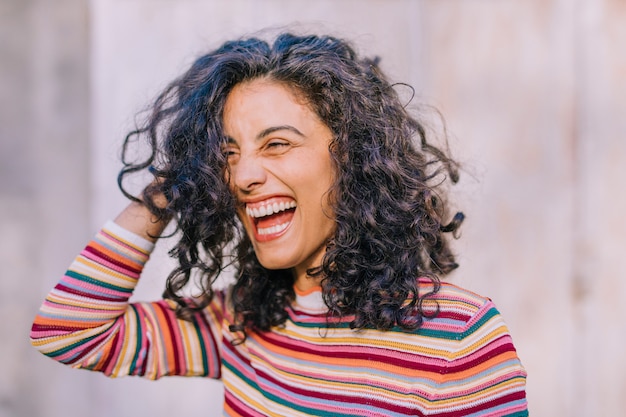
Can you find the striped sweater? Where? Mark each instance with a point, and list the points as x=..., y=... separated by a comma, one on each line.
x=461, y=363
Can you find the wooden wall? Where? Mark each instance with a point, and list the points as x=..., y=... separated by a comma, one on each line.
x=533, y=93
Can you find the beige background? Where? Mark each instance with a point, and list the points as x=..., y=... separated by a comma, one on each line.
x=534, y=96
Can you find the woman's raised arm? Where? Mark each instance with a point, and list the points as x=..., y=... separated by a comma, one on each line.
x=86, y=320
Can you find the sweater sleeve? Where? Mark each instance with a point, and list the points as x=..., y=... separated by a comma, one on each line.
x=485, y=369
x=87, y=322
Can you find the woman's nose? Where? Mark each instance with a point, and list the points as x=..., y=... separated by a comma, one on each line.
x=249, y=173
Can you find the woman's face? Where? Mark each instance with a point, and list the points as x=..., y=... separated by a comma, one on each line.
x=280, y=171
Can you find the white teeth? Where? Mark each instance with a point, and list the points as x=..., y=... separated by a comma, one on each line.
x=273, y=229
x=269, y=209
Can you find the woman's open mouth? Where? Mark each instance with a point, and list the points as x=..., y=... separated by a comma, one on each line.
x=271, y=217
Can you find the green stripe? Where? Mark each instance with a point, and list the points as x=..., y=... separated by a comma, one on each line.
x=519, y=414
x=72, y=346
x=438, y=334
x=324, y=325
x=234, y=370
x=133, y=364
x=205, y=361
x=97, y=283
x=278, y=400
x=442, y=334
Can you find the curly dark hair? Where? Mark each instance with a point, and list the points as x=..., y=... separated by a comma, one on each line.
x=387, y=198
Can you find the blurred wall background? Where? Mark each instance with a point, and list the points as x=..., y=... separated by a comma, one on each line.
x=534, y=96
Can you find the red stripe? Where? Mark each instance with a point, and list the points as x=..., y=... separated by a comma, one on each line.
x=378, y=354
x=484, y=406
x=167, y=312
x=142, y=370
x=213, y=361
x=335, y=396
x=62, y=287
x=44, y=327
x=396, y=408
x=454, y=315
x=227, y=345
x=109, y=236
x=87, y=349
x=484, y=354
x=390, y=357
x=110, y=357
x=233, y=403
x=123, y=266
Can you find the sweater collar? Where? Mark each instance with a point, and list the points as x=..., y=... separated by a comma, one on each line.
x=310, y=300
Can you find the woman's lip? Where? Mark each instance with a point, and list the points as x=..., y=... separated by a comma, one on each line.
x=272, y=226
x=259, y=202
x=271, y=233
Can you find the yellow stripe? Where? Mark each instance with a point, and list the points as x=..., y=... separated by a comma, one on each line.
x=85, y=266
x=254, y=403
x=125, y=345
x=107, y=235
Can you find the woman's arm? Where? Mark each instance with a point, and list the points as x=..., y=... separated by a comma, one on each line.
x=485, y=369
x=87, y=322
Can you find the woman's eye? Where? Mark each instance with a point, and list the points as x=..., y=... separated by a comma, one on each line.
x=229, y=152
x=277, y=145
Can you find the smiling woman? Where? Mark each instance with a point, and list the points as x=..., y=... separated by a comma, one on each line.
x=278, y=154
x=299, y=156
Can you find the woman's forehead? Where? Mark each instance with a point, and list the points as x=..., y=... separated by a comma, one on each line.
x=261, y=105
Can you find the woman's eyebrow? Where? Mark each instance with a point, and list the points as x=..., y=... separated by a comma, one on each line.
x=265, y=132
x=273, y=129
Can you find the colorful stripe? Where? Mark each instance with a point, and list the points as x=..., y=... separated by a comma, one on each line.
x=461, y=363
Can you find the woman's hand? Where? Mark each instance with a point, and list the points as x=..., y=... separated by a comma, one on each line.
x=138, y=219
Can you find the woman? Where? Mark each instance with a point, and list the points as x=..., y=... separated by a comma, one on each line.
x=297, y=164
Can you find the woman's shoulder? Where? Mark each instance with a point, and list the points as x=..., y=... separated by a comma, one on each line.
x=453, y=293
x=455, y=308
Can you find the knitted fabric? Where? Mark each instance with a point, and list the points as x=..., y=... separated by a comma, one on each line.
x=460, y=363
